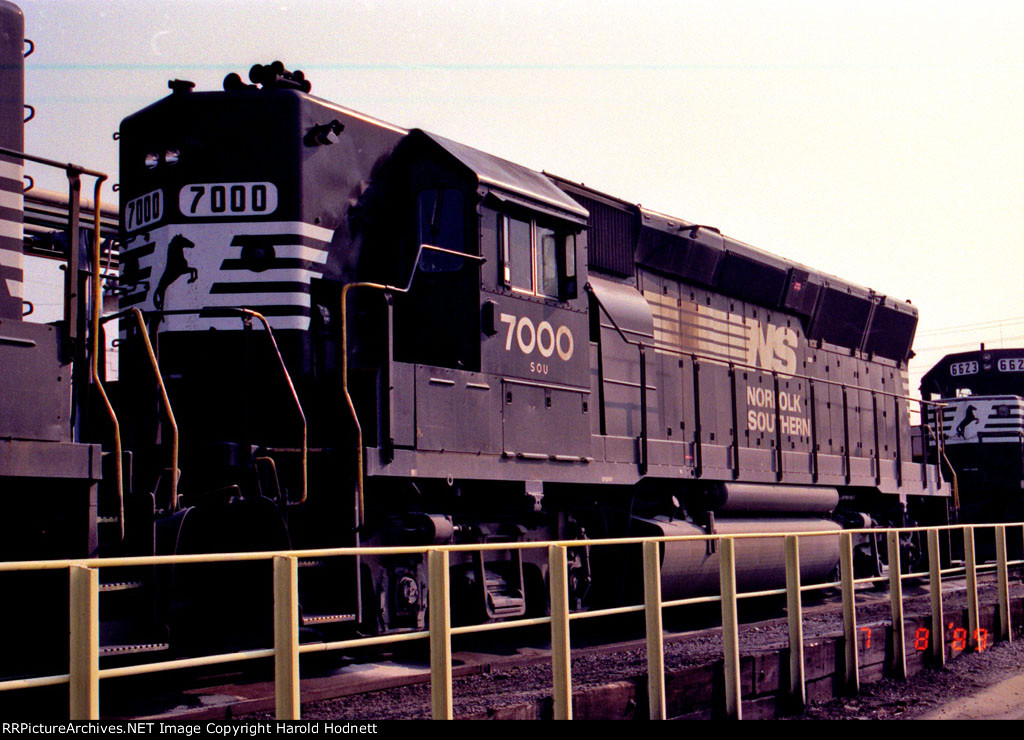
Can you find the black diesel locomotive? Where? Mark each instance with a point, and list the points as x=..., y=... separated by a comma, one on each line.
x=979, y=432
x=368, y=335
x=481, y=353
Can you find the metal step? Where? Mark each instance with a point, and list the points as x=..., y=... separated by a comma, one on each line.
x=503, y=599
x=313, y=619
x=149, y=647
x=122, y=586
x=506, y=606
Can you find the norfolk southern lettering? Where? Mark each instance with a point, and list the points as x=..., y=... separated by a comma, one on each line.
x=761, y=412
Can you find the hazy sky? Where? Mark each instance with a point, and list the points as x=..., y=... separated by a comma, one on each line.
x=878, y=141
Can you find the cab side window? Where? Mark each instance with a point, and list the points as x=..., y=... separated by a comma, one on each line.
x=441, y=224
x=517, y=247
x=536, y=259
x=547, y=262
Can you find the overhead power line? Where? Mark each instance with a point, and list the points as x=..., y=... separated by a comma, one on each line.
x=963, y=345
x=970, y=327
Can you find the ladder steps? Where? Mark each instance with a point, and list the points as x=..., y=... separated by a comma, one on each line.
x=121, y=586
x=147, y=647
x=310, y=619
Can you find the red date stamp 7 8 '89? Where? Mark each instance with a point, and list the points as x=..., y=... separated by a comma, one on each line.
x=958, y=638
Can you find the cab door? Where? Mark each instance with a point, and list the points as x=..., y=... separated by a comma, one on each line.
x=535, y=334
x=437, y=322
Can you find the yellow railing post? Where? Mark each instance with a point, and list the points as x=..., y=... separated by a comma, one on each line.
x=655, y=642
x=937, y=643
x=852, y=672
x=971, y=562
x=84, y=643
x=286, y=638
x=561, y=667
x=899, y=646
x=794, y=614
x=440, y=635
x=1003, y=577
x=730, y=628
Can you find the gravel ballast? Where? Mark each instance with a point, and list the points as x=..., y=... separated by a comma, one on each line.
x=519, y=691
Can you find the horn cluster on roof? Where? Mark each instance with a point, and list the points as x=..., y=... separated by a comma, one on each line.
x=271, y=76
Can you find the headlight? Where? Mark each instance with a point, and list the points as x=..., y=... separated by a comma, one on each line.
x=152, y=160
x=171, y=156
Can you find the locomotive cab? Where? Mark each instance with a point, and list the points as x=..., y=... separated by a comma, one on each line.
x=491, y=345
x=979, y=430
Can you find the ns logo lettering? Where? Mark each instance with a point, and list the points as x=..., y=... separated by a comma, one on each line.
x=771, y=347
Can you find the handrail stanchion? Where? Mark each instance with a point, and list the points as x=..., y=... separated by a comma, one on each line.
x=938, y=645
x=730, y=629
x=794, y=614
x=849, y=612
x=440, y=636
x=561, y=667
x=286, y=638
x=655, y=642
x=971, y=561
x=159, y=378
x=1002, y=574
x=84, y=673
x=899, y=641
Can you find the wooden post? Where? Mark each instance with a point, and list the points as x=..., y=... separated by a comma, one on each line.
x=655, y=642
x=852, y=672
x=561, y=666
x=84, y=643
x=286, y=638
x=899, y=647
x=794, y=614
x=440, y=635
x=937, y=643
x=1003, y=578
x=730, y=628
x=971, y=561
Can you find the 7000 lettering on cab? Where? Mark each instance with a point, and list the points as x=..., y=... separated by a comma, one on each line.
x=225, y=199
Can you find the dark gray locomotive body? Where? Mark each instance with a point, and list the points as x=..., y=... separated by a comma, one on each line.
x=370, y=335
x=516, y=357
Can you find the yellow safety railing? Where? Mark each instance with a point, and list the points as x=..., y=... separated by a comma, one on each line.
x=85, y=673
